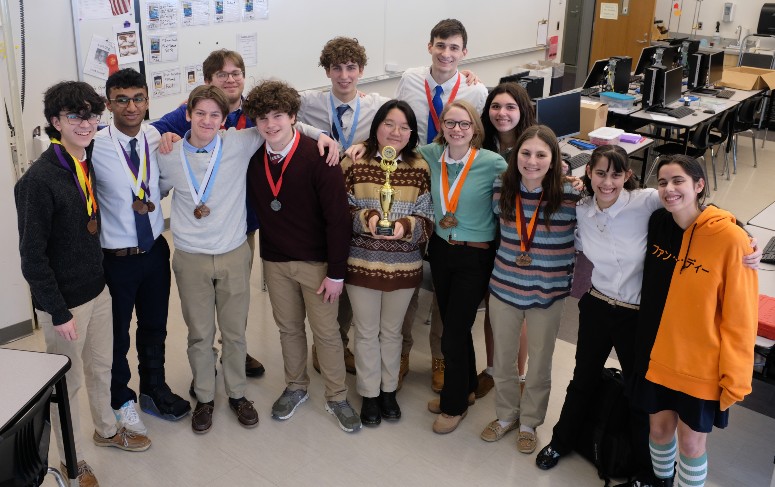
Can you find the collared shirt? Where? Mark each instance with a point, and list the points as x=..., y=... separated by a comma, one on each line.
x=449, y=159
x=114, y=190
x=411, y=89
x=316, y=111
x=614, y=240
x=190, y=148
x=285, y=150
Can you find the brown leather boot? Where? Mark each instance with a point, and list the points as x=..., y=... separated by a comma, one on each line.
x=437, y=381
x=403, y=370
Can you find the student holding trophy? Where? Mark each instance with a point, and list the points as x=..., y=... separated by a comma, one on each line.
x=390, y=202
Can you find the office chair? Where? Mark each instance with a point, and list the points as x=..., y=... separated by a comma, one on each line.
x=698, y=145
x=718, y=136
x=24, y=448
x=745, y=122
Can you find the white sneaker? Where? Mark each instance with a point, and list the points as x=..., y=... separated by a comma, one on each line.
x=128, y=418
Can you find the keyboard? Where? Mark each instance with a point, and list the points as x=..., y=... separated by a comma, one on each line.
x=705, y=91
x=768, y=255
x=725, y=94
x=590, y=92
x=678, y=112
x=636, y=78
x=580, y=159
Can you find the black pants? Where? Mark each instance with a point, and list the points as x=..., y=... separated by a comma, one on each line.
x=601, y=326
x=141, y=283
x=460, y=277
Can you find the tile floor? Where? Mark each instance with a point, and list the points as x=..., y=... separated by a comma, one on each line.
x=309, y=449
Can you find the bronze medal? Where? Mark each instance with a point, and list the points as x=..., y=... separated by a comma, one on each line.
x=197, y=213
x=140, y=207
x=449, y=221
x=524, y=260
x=204, y=211
x=150, y=205
x=92, y=226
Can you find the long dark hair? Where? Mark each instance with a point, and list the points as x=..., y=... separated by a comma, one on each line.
x=692, y=168
x=617, y=160
x=407, y=153
x=527, y=115
x=552, y=183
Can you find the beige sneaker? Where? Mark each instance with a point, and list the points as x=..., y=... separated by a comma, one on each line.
x=447, y=424
x=85, y=476
x=526, y=443
x=437, y=380
x=434, y=405
x=124, y=440
x=494, y=431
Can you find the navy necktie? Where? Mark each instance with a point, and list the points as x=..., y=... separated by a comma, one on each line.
x=438, y=106
x=340, y=110
x=142, y=222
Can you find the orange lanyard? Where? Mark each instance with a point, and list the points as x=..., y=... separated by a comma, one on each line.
x=450, y=203
x=452, y=96
x=526, y=235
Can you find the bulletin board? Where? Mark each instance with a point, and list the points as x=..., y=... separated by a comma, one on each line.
x=284, y=37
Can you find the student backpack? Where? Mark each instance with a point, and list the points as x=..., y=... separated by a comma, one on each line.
x=605, y=438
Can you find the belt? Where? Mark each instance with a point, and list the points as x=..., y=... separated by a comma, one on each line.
x=476, y=245
x=613, y=302
x=124, y=252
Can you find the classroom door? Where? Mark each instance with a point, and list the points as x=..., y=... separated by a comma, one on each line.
x=626, y=35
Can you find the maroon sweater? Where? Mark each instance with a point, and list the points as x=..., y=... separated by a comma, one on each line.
x=314, y=221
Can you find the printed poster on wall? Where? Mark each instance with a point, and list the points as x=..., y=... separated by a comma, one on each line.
x=195, y=12
x=96, y=61
x=165, y=83
x=162, y=15
x=127, y=40
x=227, y=11
x=164, y=48
x=194, y=76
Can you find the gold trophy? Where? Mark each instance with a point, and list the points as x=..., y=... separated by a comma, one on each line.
x=386, y=192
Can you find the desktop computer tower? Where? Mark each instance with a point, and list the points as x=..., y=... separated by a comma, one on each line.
x=620, y=67
x=653, y=87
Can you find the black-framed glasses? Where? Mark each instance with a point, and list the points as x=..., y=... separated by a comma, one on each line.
x=77, y=119
x=123, y=101
x=464, y=124
x=223, y=75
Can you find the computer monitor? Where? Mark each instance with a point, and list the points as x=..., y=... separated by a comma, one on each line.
x=561, y=113
x=673, y=79
x=597, y=75
x=646, y=59
x=676, y=41
x=653, y=87
x=698, y=70
x=666, y=56
x=715, y=66
x=513, y=77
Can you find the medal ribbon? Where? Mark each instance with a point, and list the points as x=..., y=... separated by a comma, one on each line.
x=200, y=193
x=346, y=142
x=526, y=234
x=81, y=178
x=449, y=203
x=276, y=187
x=140, y=185
x=452, y=96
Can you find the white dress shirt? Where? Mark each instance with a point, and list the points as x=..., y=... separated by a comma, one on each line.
x=316, y=111
x=411, y=89
x=614, y=240
x=114, y=190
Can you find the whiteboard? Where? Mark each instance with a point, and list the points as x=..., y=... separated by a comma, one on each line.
x=290, y=39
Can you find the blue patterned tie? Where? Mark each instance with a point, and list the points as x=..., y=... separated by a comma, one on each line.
x=142, y=222
x=340, y=110
x=438, y=106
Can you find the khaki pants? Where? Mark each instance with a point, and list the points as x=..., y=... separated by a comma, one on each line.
x=91, y=357
x=378, y=317
x=542, y=327
x=293, y=292
x=211, y=285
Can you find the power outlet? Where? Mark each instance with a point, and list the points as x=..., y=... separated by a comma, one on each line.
x=699, y=25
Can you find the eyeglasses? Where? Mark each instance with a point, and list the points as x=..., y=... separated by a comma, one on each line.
x=464, y=124
x=76, y=119
x=223, y=75
x=123, y=101
x=401, y=128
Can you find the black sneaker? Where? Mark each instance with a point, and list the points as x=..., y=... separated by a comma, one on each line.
x=547, y=458
x=165, y=404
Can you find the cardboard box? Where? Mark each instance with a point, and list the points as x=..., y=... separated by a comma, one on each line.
x=747, y=78
x=593, y=116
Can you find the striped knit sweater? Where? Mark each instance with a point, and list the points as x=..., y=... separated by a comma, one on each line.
x=548, y=277
x=388, y=265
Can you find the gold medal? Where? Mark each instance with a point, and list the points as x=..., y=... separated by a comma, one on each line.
x=524, y=260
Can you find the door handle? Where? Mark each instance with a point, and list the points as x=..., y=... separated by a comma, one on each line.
x=644, y=41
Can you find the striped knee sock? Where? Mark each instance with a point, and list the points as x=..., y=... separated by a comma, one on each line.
x=692, y=471
x=663, y=458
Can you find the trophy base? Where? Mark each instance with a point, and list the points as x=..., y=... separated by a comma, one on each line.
x=385, y=231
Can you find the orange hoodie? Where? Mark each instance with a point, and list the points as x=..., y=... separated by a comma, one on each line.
x=704, y=345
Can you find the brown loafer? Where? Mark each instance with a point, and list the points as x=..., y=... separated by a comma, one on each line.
x=434, y=405
x=202, y=418
x=246, y=413
x=447, y=424
x=526, y=443
x=486, y=383
x=253, y=368
x=85, y=475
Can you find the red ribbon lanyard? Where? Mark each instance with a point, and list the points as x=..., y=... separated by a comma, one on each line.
x=526, y=234
x=452, y=96
x=276, y=187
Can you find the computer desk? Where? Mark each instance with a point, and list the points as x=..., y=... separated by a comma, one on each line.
x=24, y=377
x=765, y=219
x=631, y=149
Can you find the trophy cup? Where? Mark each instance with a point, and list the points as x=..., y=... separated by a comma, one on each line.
x=386, y=192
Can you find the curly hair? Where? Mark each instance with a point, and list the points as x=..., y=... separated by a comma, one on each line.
x=342, y=50
x=271, y=95
x=476, y=123
x=618, y=161
x=527, y=116
x=552, y=183
x=70, y=96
